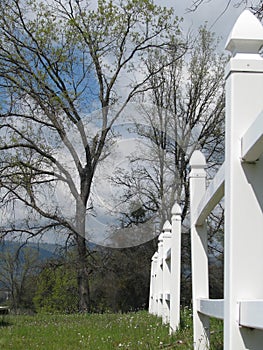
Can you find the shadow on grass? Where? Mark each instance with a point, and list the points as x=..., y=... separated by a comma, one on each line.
x=5, y=323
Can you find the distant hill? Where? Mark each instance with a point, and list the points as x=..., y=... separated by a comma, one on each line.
x=45, y=250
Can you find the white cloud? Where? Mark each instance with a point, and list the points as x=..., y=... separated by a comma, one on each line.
x=220, y=18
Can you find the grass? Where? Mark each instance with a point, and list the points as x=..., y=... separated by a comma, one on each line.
x=97, y=331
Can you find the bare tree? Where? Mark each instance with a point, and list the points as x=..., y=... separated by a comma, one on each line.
x=17, y=268
x=57, y=61
x=186, y=113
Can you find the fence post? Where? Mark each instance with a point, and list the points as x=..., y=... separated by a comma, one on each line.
x=166, y=271
x=152, y=284
x=198, y=251
x=160, y=276
x=175, y=268
x=155, y=284
x=150, y=308
x=243, y=182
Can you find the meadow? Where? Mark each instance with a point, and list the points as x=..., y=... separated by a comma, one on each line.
x=136, y=330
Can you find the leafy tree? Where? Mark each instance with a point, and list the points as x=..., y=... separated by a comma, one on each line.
x=125, y=272
x=58, y=60
x=57, y=288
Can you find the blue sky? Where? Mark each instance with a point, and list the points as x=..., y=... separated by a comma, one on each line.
x=218, y=21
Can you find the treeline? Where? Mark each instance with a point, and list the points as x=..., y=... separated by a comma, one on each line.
x=119, y=279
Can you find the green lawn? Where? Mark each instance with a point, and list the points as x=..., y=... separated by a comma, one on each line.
x=94, y=331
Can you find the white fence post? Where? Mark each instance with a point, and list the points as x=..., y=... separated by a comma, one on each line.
x=175, y=268
x=243, y=182
x=155, y=284
x=159, y=276
x=152, y=300
x=166, y=271
x=200, y=286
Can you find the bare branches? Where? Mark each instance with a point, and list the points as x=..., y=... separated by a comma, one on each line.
x=256, y=8
x=188, y=114
x=53, y=57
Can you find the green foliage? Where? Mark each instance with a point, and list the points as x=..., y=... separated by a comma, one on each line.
x=125, y=273
x=56, y=290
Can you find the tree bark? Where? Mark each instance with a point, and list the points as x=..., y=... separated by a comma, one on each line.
x=83, y=275
x=82, y=260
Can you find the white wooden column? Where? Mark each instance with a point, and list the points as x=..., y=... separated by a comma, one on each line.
x=155, y=284
x=243, y=183
x=175, y=268
x=200, y=285
x=166, y=271
x=150, y=308
x=152, y=284
x=160, y=276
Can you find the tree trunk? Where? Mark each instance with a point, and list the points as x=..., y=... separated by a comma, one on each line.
x=83, y=275
x=82, y=260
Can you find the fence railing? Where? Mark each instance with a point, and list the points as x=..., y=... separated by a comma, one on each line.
x=240, y=182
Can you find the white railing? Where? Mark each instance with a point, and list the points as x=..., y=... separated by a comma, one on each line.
x=240, y=181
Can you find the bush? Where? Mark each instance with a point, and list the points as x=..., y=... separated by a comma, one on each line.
x=57, y=290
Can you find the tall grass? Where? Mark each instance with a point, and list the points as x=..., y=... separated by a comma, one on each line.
x=94, y=331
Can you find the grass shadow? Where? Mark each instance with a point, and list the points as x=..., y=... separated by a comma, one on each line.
x=4, y=322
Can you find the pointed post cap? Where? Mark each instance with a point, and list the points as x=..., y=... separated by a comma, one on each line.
x=167, y=226
x=246, y=35
x=197, y=161
x=155, y=256
x=176, y=209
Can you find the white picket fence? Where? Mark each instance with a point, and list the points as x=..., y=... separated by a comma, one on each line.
x=240, y=182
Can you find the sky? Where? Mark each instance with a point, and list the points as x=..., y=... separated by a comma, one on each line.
x=220, y=18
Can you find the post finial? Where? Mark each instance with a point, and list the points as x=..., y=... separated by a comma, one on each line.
x=176, y=209
x=197, y=164
x=167, y=226
x=197, y=161
x=155, y=256
x=246, y=35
